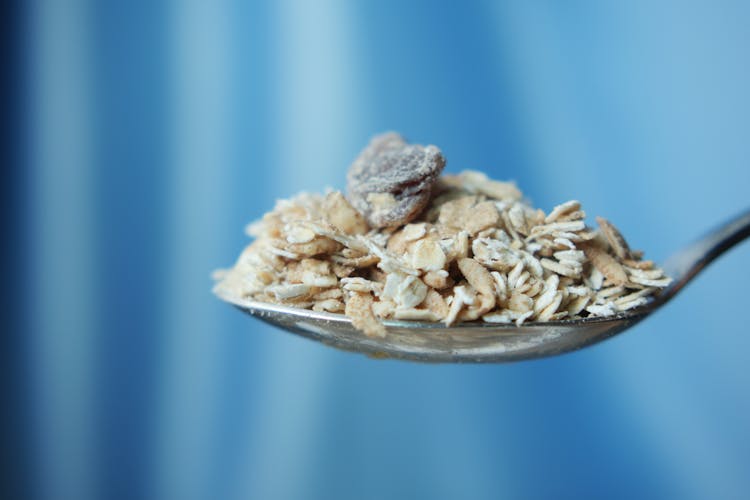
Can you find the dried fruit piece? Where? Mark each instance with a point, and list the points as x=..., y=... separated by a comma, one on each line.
x=391, y=181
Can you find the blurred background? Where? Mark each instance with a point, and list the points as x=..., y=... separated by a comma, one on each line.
x=147, y=134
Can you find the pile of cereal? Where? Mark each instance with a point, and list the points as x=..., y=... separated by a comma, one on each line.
x=407, y=243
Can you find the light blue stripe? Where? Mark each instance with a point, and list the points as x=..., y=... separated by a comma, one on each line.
x=318, y=115
x=319, y=104
x=64, y=308
x=606, y=142
x=197, y=204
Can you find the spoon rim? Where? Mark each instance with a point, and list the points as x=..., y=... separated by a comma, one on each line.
x=253, y=306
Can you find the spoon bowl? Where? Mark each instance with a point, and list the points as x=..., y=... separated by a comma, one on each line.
x=473, y=342
x=479, y=342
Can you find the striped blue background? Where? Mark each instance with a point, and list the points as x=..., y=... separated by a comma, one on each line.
x=157, y=130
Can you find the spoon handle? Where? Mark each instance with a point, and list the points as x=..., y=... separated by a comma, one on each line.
x=686, y=263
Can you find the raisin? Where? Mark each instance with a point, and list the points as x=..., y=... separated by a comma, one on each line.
x=391, y=181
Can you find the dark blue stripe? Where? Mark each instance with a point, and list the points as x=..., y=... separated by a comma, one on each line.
x=16, y=480
x=129, y=41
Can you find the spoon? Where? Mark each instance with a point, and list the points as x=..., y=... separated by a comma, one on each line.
x=479, y=342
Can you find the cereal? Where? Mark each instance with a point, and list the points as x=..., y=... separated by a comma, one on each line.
x=339, y=212
x=436, y=303
x=359, y=309
x=563, y=211
x=477, y=182
x=405, y=290
x=328, y=305
x=409, y=245
x=437, y=279
x=478, y=276
x=605, y=263
x=481, y=281
x=615, y=238
x=412, y=232
x=427, y=255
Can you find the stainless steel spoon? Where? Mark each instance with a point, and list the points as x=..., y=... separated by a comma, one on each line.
x=494, y=343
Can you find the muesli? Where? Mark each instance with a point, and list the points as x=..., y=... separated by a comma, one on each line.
x=408, y=243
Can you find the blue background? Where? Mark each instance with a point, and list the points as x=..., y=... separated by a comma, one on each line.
x=153, y=132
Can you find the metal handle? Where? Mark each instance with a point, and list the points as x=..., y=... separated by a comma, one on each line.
x=686, y=263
